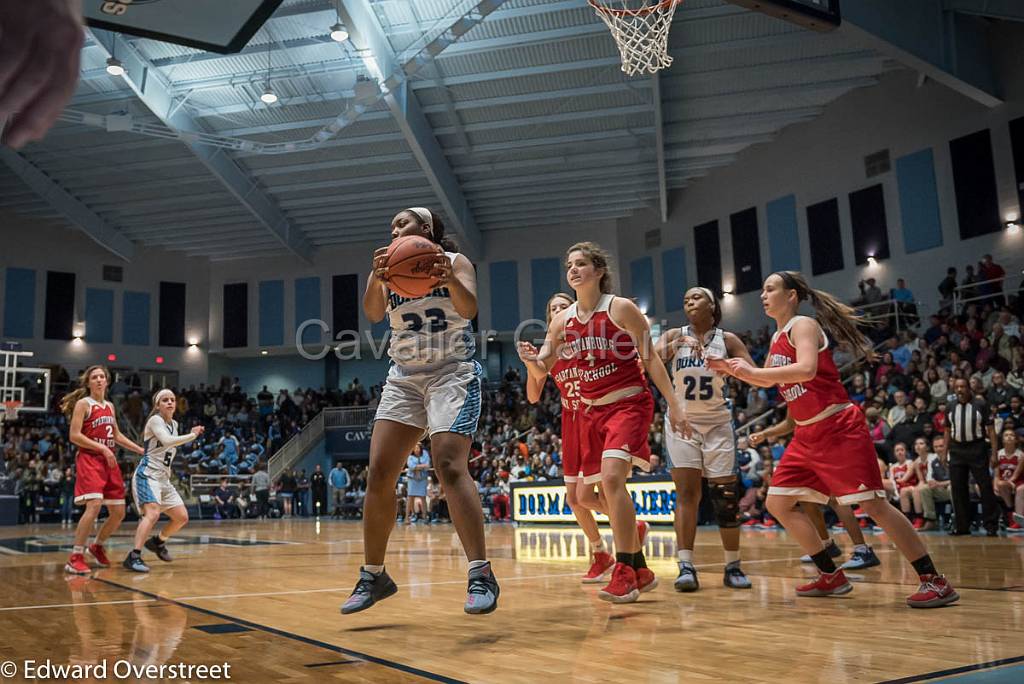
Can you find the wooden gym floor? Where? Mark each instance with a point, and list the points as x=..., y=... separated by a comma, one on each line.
x=264, y=597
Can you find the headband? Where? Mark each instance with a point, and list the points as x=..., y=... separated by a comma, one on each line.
x=708, y=293
x=425, y=216
x=159, y=395
x=788, y=280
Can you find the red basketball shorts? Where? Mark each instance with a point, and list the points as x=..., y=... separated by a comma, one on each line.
x=618, y=430
x=833, y=457
x=95, y=479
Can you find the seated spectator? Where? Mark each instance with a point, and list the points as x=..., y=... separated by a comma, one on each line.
x=935, y=487
x=223, y=501
x=904, y=473
x=1008, y=482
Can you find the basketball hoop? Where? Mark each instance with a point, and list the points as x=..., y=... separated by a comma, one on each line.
x=641, y=32
x=11, y=410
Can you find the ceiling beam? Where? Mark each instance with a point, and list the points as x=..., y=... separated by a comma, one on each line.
x=947, y=47
x=1009, y=10
x=659, y=146
x=154, y=93
x=105, y=235
x=369, y=38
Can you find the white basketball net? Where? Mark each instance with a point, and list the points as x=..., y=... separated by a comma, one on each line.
x=640, y=29
x=11, y=410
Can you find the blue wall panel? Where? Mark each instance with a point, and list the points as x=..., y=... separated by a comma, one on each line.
x=271, y=309
x=504, y=295
x=783, y=235
x=307, y=307
x=19, y=302
x=919, y=201
x=673, y=275
x=135, y=318
x=641, y=283
x=99, y=315
x=546, y=278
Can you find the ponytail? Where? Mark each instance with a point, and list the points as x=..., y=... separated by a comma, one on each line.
x=67, y=404
x=836, y=318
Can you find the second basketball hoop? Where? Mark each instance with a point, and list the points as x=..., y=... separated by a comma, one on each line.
x=640, y=29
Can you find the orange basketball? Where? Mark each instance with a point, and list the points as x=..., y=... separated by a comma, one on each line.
x=410, y=261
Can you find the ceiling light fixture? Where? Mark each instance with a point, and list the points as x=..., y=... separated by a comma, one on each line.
x=268, y=96
x=114, y=67
x=339, y=34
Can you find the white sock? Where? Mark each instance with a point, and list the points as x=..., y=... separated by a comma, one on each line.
x=596, y=546
x=374, y=569
x=685, y=555
x=732, y=556
x=77, y=549
x=473, y=565
x=862, y=548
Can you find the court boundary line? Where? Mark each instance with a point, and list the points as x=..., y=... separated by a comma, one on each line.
x=963, y=669
x=408, y=669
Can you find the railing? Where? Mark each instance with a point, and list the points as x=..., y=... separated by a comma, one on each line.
x=1006, y=288
x=296, y=447
x=891, y=309
x=354, y=416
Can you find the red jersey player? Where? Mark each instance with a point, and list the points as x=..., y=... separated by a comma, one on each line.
x=98, y=480
x=606, y=334
x=580, y=477
x=831, y=453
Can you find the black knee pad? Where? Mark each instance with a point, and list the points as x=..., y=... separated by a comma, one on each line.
x=726, y=502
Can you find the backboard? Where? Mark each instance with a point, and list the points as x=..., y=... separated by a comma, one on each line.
x=223, y=26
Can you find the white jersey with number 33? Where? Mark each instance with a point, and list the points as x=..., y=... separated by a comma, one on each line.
x=427, y=331
x=700, y=390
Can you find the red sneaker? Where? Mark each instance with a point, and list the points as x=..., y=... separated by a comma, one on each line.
x=622, y=588
x=1014, y=527
x=749, y=523
x=97, y=552
x=826, y=585
x=645, y=580
x=769, y=524
x=864, y=524
x=642, y=528
x=76, y=565
x=918, y=523
x=935, y=591
x=603, y=562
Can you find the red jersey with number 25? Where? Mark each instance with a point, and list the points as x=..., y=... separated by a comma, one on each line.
x=605, y=353
x=99, y=425
x=807, y=399
x=566, y=377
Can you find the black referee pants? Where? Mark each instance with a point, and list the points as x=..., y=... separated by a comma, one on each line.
x=966, y=459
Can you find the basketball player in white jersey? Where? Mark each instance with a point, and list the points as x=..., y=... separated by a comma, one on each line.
x=711, y=450
x=151, y=483
x=432, y=389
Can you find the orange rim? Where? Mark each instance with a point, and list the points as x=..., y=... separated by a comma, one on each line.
x=663, y=5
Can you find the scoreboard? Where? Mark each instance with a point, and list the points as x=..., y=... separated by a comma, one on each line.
x=819, y=15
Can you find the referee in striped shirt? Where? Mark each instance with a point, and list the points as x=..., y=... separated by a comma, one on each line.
x=972, y=450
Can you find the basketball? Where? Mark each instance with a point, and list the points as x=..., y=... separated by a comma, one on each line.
x=410, y=261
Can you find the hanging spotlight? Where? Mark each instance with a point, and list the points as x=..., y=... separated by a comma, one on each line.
x=339, y=33
x=268, y=96
x=114, y=67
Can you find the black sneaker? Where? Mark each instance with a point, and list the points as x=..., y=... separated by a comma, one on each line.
x=159, y=548
x=734, y=577
x=482, y=591
x=133, y=562
x=687, y=580
x=369, y=589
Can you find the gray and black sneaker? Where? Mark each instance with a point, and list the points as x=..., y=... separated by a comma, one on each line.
x=734, y=577
x=159, y=548
x=687, y=579
x=860, y=560
x=133, y=562
x=369, y=589
x=482, y=592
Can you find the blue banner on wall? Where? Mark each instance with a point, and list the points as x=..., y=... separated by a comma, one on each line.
x=349, y=443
